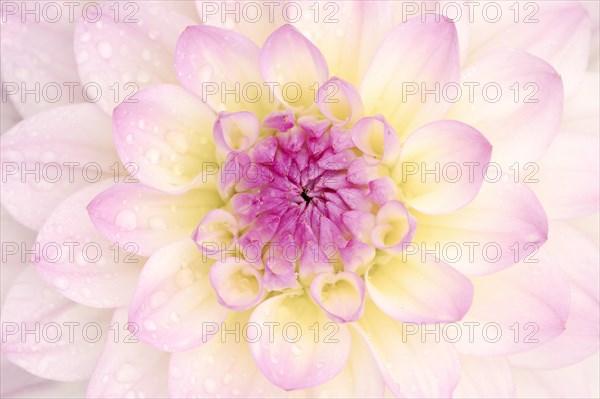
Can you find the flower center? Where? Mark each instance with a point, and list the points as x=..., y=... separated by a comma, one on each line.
x=305, y=196
x=306, y=207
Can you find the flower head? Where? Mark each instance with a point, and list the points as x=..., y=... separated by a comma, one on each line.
x=294, y=202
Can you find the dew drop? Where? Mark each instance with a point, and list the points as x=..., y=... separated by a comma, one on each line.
x=105, y=49
x=61, y=283
x=177, y=140
x=157, y=299
x=127, y=373
x=150, y=325
x=184, y=278
x=156, y=223
x=126, y=219
x=153, y=155
x=296, y=350
x=210, y=385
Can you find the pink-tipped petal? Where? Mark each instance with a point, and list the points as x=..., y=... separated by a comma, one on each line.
x=377, y=140
x=442, y=166
x=516, y=309
x=415, y=287
x=519, y=110
x=484, y=377
x=69, y=337
x=360, y=378
x=577, y=381
x=131, y=213
x=346, y=30
x=79, y=261
x=37, y=58
x=566, y=178
x=166, y=137
x=504, y=224
x=15, y=238
x=255, y=20
x=18, y=383
x=412, y=367
x=216, y=233
x=578, y=259
x=235, y=131
x=39, y=166
x=127, y=366
x=394, y=227
x=238, y=285
x=341, y=295
x=581, y=108
x=417, y=54
x=556, y=31
x=174, y=305
x=221, y=67
x=298, y=359
x=339, y=101
x=357, y=256
x=293, y=66
x=111, y=68
x=223, y=367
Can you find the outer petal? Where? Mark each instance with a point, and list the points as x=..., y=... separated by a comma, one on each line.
x=457, y=12
x=72, y=255
x=411, y=367
x=69, y=336
x=128, y=367
x=307, y=362
x=212, y=62
x=167, y=134
x=518, y=108
x=578, y=259
x=9, y=115
x=360, y=378
x=484, y=377
x=593, y=10
x=133, y=213
x=16, y=241
x=418, y=288
x=557, y=31
x=503, y=225
x=413, y=55
x=581, y=108
x=118, y=67
x=577, y=381
x=295, y=65
x=37, y=57
x=174, y=304
x=254, y=20
x=567, y=182
x=442, y=166
x=346, y=30
x=223, y=366
x=43, y=145
x=517, y=309
x=17, y=383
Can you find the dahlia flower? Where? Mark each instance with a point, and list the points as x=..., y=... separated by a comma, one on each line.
x=292, y=199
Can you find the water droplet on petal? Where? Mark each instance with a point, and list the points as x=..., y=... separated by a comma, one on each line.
x=150, y=325
x=153, y=155
x=126, y=219
x=156, y=223
x=61, y=283
x=210, y=385
x=105, y=49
